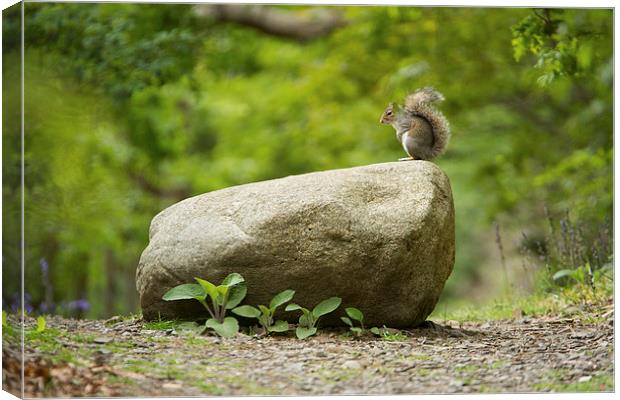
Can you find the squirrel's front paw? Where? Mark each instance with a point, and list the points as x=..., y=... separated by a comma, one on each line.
x=406, y=159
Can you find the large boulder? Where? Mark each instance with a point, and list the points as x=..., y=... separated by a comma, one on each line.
x=381, y=237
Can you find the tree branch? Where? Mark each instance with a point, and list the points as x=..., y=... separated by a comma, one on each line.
x=301, y=26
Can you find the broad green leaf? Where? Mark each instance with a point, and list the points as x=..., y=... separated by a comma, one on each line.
x=306, y=320
x=604, y=271
x=356, y=330
x=222, y=291
x=184, y=292
x=346, y=321
x=279, y=326
x=186, y=325
x=233, y=279
x=265, y=320
x=228, y=328
x=211, y=322
x=354, y=313
x=247, y=311
x=231, y=326
x=281, y=298
x=189, y=327
x=236, y=295
x=326, y=306
x=41, y=324
x=303, y=332
x=292, y=307
x=562, y=273
x=208, y=288
x=375, y=331
x=264, y=309
x=4, y=318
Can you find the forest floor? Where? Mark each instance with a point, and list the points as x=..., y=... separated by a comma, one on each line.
x=129, y=357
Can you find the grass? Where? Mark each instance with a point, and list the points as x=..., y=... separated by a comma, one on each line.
x=185, y=328
x=209, y=388
x=497, y=364
x=121, y=380
x=598, y=383
x=575, y=301
x=471, y=372
x=394, y=337
x=468, y=368
x=333, y=376
x=423, y=372
x=161, y=325
x=204, y=376
x=140, y=366
x=52, y=343
x=206, y=373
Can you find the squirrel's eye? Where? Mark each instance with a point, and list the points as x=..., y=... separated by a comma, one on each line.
x=389, y=113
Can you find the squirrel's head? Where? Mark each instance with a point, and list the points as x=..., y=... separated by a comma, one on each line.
x=389, y=115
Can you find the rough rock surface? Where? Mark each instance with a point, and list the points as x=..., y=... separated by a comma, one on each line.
x=379, y=236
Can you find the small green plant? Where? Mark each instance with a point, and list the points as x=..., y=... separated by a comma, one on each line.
x=576, y=274
x=41, y=323
x=160, y=324
x=4, y=318
x=308, y=320
x=583, y=275
x=189, y=328
x=389, y=334
x=223, y=297
x=355, y=315
x=265, y=314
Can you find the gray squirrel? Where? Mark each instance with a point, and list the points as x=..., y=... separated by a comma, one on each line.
x=422, y=130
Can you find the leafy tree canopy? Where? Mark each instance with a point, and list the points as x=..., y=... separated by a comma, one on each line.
x=132, y=107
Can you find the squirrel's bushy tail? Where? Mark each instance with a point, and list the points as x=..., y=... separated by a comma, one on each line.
x=425, y=95
x=419, y=103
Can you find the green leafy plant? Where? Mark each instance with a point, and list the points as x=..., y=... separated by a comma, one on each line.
x=580, y=275
x=354, y=315
x=189, y=328
x=584, y=274
x=223, y=297
x=308, y=320
x=4, y=318
x=376, y=331
x=265, y=314
x=388, y=334
x=41, y=323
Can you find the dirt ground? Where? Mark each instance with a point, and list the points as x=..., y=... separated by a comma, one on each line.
x=121, y=357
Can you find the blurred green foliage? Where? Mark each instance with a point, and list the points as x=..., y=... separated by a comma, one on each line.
x=132, y=107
